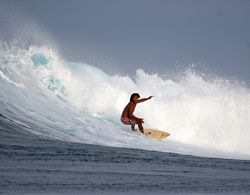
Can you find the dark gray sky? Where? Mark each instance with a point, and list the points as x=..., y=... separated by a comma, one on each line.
x=156, y=35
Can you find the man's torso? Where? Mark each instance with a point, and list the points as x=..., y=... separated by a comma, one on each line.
x=130, y=106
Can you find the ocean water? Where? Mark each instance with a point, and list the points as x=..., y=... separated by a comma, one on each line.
x=61, y=134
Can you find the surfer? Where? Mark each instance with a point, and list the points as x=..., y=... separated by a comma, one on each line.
x=127, y=116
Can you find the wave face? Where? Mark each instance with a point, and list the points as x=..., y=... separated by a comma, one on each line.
x=78, y=102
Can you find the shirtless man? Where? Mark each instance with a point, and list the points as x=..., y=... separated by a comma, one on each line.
x=127, y=116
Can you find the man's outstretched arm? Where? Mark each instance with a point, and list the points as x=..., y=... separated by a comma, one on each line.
x=144, y=99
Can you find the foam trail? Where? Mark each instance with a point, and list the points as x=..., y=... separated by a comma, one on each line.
x=81, y=103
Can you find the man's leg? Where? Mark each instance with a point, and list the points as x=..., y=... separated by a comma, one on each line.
x=140, y=126
x=132, y=123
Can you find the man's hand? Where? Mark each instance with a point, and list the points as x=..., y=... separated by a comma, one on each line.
x=141, y=120
x=150, y=97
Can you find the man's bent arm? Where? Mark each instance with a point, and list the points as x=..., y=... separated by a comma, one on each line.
x=130, y=114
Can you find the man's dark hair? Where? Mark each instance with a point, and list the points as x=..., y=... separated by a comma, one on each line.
x=133, y=95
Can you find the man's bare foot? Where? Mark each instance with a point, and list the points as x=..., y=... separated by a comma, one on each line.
x=133, y=129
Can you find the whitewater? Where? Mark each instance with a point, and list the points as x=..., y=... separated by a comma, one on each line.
x=76, y=102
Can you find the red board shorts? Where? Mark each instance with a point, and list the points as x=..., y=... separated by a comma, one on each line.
x=128, y=121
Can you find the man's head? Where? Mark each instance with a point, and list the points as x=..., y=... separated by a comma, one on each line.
x=134, y=97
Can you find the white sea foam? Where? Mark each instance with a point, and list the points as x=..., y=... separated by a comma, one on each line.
x=81, y=103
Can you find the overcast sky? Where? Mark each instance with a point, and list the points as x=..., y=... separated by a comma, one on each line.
x=156, y=35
